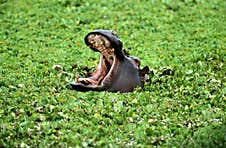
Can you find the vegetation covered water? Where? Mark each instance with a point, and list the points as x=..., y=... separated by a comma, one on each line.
x=183, y=104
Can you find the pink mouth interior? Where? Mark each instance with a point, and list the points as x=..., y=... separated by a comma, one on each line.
x=102, y=45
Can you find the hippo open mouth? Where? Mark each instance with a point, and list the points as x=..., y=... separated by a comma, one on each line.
x=101, y=44
x=115, y=71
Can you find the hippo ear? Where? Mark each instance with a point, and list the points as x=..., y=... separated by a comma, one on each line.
x=144, y=71
x=144, y=74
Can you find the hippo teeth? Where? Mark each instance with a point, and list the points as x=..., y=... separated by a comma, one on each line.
x=103, y=45
x=98, y=42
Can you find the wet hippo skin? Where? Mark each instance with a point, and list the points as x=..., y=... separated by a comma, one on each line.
x=115, y=71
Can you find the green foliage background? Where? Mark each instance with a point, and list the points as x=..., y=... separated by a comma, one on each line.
x=182, y=105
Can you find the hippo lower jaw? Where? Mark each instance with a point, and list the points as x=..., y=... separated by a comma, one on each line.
x=96, y=81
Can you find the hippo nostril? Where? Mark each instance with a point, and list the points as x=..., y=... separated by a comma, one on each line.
x=114, y=33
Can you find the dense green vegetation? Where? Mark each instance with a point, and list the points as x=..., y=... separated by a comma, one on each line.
x=183, y=104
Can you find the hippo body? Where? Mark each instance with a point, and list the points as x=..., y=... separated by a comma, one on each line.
x=115, y=71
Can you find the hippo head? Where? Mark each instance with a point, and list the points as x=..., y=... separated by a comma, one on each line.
x=115, y=71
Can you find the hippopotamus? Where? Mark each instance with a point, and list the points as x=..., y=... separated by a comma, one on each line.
x=116, y=71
